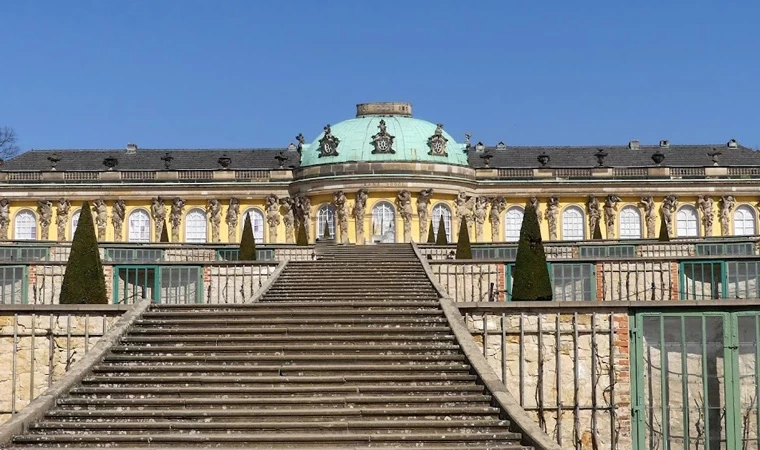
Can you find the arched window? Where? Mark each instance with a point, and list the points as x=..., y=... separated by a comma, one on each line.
x=74, y=223
x=572, y=224
x=139, y=226
x=441, y=211
x=630, y=223
x=512, y=223
x=195, y=226
x=25, y=225
x=257, y=223
x=687, y=224
x=326, y=214
x=384, y=223
x=744, y=221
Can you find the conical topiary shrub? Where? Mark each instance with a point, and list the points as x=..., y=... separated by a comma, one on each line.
x=464, y=250
x=164, y=233
x=597, y=232
x=301, y=239
x=247, y=242
x=441, y=238
x=326, y=231
x=530, y=273
x=664, y=236
x=431, y=234
x=83, y=282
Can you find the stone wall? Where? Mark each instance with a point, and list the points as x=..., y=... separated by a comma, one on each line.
x=36, y=348
x=569, y=371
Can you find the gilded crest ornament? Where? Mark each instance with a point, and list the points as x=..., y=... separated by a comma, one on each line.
x=437, y=142
x=328, y=145
x=383, y=141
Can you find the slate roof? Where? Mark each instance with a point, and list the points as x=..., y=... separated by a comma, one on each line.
x=618, y=156
x=150, y=159
x=264, y=159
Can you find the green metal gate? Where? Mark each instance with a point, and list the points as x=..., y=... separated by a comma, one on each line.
x=162, y=284
x=702, y=280
x=695, y=380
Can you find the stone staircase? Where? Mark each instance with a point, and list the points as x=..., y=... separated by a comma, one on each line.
x=348, y=351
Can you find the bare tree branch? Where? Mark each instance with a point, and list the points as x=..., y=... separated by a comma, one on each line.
x=8, y=147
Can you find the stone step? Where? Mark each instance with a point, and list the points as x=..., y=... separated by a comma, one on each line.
x=290, y=390
x=347, y=338
x=169, y=370
x=293, y=312
x=305, y=329
x=285, y=437
x=327, y=298
x=351, y=424
x=282, y=380
x=239, y=321
x=290, y=348
x=270, y=413
x=192, y=308
x=348, y=359
x=214, y=401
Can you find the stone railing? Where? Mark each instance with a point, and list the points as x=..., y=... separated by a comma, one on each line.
x=592, y=173
x=39, y=343
x=30, y=251
x=166, y=282
x=610, y=249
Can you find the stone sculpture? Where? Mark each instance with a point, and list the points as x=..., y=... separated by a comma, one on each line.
x=360, y=208
x=214, y=213
x=726, y=205
x=552, y=211
x=423, y=202
x=62, y=217
x=5, y=217
x=273, y=215
x=45, y=211
x=404, y=204
x=341, y=212
x=705, y=206
x=481, y=205
x=610, y=211
x=667, y=209
x=175, y=217
x=593, y=211
x=101, y=217
x=498, y=205
x=303, y=212
x=647, y=203
x=233, y=211
x=537, y=206
x=288, y=218
x=118, y=213
x=158, y=211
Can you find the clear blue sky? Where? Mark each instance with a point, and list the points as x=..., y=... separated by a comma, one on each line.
x=187, y=73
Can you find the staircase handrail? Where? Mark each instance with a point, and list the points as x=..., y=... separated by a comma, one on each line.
x=532, y=434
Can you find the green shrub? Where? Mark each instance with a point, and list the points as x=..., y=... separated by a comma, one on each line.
x=164, y=233
x=441, y=238
x=84, y=282
x=530, y=274
x=464, y=250
x=326, y=231
x=301, y=239
x=431, y=233
x=597, y=232
x=247, y=242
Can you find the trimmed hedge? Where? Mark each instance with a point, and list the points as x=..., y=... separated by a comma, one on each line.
x=84, y=282
x=530, y=275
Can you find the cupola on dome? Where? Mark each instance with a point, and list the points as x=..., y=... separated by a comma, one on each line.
x=383, y=132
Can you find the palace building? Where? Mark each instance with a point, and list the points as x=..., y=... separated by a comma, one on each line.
x=381, y=177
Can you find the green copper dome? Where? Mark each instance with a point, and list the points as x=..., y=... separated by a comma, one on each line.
x=384, y=132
